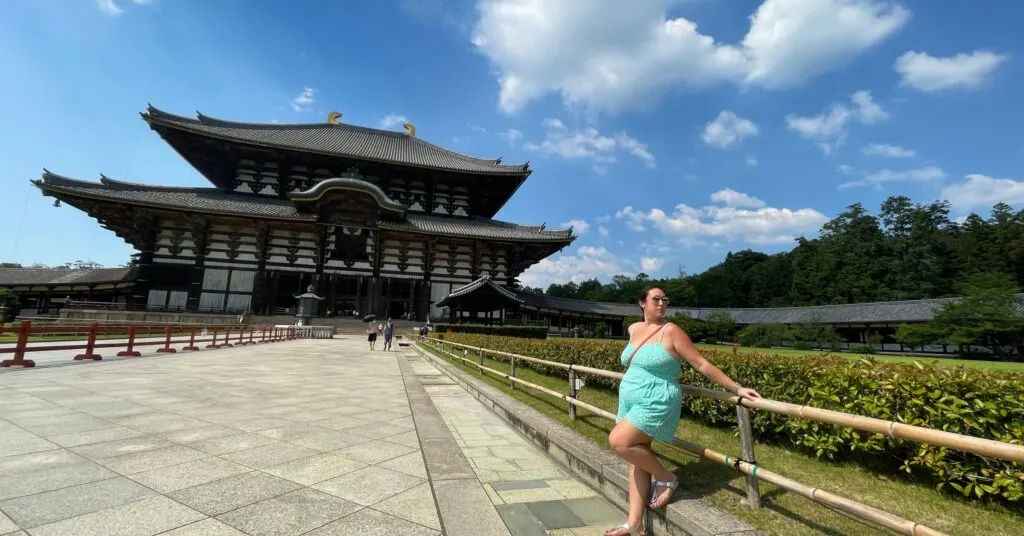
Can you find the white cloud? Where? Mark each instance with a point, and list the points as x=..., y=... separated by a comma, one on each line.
x=304, y=100
x=110, y=7
x=732, y=198
x=963, y=71
x=634, y=220
x=604, y=219
x=392, y=120
x=610, y=54
x=579, y=226
x=603, y=231
x=588, y=144
x=763, y=225
x=650, y=265
x=829, y=130
x=477, y=128
x=587, y=263
x=981, y=191
x=751, y=160
x=728, y=130
x=511, y=136
x=888, y=151
x=877, y=178
x=845, y=169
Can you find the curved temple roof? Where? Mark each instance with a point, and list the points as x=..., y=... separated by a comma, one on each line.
x=215, y=201
x=320, y=189
x=484, y=282
x=338, y=139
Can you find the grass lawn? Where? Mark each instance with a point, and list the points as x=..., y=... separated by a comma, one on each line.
x=783, y=513
x=942, y=361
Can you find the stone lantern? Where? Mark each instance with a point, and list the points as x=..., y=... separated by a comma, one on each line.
x=308, y=305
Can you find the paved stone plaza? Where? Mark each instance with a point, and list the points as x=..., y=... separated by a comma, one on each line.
x=318, y=437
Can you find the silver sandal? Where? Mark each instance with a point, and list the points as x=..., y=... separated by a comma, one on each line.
x=656, y=484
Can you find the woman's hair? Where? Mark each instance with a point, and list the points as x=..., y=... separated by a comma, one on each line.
x=643, y=295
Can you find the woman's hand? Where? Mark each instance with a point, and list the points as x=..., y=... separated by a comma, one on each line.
x=747, y=392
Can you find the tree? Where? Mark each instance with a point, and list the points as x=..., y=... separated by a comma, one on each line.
x=10, y=304
x=989, y=314
x=721, y=325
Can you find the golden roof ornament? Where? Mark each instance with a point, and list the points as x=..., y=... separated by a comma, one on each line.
x=332, y=118
x=410, y=129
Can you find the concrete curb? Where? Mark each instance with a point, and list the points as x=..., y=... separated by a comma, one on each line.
x=597, y=467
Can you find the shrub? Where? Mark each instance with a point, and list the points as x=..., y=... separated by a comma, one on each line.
x=973, y=402
x=529, y=332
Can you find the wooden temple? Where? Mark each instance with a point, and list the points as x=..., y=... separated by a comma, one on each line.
x=378, y=222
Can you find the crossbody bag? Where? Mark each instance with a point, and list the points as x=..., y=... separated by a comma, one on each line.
x=637, y=348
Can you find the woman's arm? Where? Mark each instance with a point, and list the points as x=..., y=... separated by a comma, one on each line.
x=684, y=347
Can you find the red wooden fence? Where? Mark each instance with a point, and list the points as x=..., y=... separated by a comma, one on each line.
x=221, y=337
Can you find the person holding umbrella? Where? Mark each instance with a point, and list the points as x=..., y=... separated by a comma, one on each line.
x=371, y=331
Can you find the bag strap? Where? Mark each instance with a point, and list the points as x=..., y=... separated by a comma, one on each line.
x=647, y=338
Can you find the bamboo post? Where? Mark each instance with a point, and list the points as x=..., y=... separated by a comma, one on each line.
x=747, y=454
x=572, y=393
x=19, y=349
x=512, y=373
x=90, y=345
x=481, y=357
x=130, y=351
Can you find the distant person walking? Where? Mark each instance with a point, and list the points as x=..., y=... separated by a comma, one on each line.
x=650, y=402
x=389, y=332
x=371, y=334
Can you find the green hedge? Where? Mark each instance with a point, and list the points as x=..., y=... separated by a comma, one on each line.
x=967, y=401
x=528, y=332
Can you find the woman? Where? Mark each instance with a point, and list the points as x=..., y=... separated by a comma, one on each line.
x=650, y=404
x=371, y=334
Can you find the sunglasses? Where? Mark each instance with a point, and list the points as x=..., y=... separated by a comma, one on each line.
x=660, y=299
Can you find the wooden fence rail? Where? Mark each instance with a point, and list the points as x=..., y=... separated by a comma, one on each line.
x=746, y=463
x=136, y=335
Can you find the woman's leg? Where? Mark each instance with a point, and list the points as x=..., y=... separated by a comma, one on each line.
x=634, y=446
x=639, y=491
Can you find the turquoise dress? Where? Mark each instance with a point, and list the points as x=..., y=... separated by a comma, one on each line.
x=649, y=395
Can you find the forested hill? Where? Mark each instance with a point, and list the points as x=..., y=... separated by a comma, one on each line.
x=906, y=252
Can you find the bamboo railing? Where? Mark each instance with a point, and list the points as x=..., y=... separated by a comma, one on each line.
x=746, y=464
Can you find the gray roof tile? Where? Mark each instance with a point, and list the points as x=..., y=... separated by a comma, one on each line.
x=61, y=276
x=212, y=200
x=483, y=282
x=852, y=313
x=338, y=139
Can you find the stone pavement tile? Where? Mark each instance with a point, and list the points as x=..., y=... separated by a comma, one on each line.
x=368, y=486
x=596, y=511
x=188, y=474
x=519, y=484
x=493, y=495
x=445, y=460
x=290, y=514
x=6, y=525
x=32, y=461
x=206, y=527
x=477, y=452
x=291, y=431
x=109, y=449
x=533, y=474
x=159, y=422
x=241, y=441
x=520, y=521
x=416, y=505
x=374, y=452
x=516, y=453
x=52, y=506
x=51, y=478
x=529, y=495
x=233, y=492
x=14, y=441
x=466, y=510
x=487, y=443
x=409, y=439
x=571, y=489
x=64, y=424
x=410, y=464
x=146, y=460
x=494, y=464
x=377, y=431
x=488, y=476
x=536, y=463
x=95, y=436
x=317, y=468
x=345, y=422
x=404, y=420
x=256, y=424
x=555, y=515
x=140, y=518
x=269, y=455
x=328, y=440
x=191, y=435
x=368, y=522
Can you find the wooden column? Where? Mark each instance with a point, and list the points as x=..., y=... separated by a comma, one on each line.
x=261, y=281
x=199, y=229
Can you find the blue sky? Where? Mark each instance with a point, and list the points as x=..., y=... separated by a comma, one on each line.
x=668, y=132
